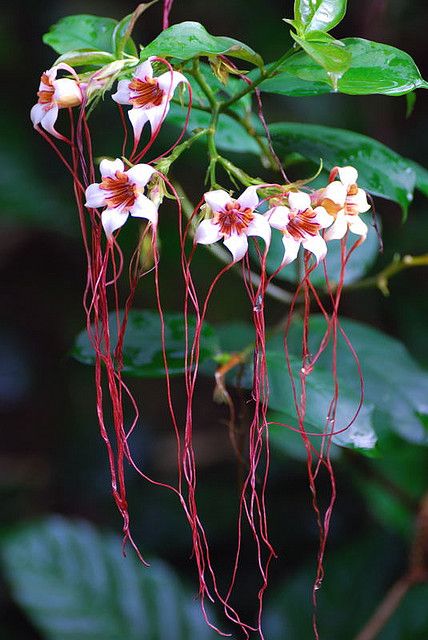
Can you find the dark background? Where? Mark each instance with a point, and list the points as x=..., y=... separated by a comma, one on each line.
x=52, y=459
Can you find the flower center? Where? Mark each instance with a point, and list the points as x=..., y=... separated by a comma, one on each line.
x=121, y=192
x=302, y=224
x=233, y=218
x=145, y=93
x=45, y=95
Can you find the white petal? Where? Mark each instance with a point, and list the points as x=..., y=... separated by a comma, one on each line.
x=336, y=192
x=217, y=200
x=144, y=70
x=291, y=249
x=143, y=207
x=168, y=81
x=37, y=113
x=140, y=174
x=108, y=168
x=249, y=198
x=338, y=228
x=259, y=226
x=207, y=232
x=237, y=245
x=316, y=245
x=299, y=201
x=360, y=199
x=323, y=218
x=278, y=217
x=49, y=120
x=348, y=175
x=138, y=118
x=67, y=92
x=122, y=94
x=156, y=115
x=357, y=226
x=95, y=197
x=113, y=219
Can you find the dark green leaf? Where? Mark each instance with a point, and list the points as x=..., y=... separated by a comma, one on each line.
x=358, y=265
x=289, y=443
x=122, y=33
x=396, y=387
x=318, y=15
x=191, y=40
x=375, y=68
x=74, y=582
x=287, y=84
x=81, y=32
x=142, y=349
x=333, y=58
x=381, y=171
x=421, y=176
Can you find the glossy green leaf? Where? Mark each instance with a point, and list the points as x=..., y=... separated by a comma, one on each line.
x=421, y=176
x=318, y=15
x=376, y=68
x=358, y=265
x=320, y=388
x=81, y=32
x=191, y=40
x=396, y=387
x=74, y=582
x=381, y=171
x=81, y=58
x=230, y=135
x=142, y=349
x=334, y=58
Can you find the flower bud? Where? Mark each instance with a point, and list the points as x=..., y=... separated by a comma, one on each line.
x=67, y=93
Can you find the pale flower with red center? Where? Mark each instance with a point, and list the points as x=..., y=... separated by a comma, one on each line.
x=233, y=221
x=122, y=193
x=345, y=201
x=300, y=225
x=149, y=96
x=55, y=94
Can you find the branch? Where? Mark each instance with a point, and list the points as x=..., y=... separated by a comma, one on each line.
x=381, y=279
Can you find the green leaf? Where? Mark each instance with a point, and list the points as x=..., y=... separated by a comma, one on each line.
x=142, y=349
x=286, y=84
x=376, y=68
x=318, y=15
x=74, y=582
x=334, y=58
x=191, y=40
x=396, y=387
x=83, y=32
x=230, y=135
x=421, y=176
x=319, y=386
x=82, y=58
x=381, y=171
x=358, y=265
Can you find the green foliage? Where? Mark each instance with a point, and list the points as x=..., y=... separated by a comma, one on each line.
x=191, y=40
x=375, y=68
x=74, y=582
x=332, y=56
x=142, y=348
x=317, y=15
x=85, y=32
x=381, y=171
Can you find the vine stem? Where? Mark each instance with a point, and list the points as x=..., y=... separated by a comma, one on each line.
x=381, y=279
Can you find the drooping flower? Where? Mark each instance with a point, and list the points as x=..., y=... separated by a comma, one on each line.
x=149, y=96
x=344, y=200
x=122, y=193
x=55, y=94
x=300, y=225
x=233, y=221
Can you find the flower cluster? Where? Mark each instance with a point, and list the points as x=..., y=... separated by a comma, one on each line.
x=300, y=217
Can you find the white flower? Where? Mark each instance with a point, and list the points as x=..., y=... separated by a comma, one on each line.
x=122, y=192
x=345, y=201
x=53, y=95
x=149, y=96
x=233, y=221
x=300, y=225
